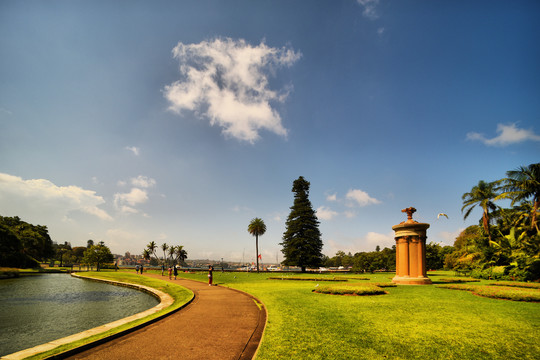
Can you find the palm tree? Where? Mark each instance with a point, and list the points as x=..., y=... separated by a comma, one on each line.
x=257, y=227
x=482, y=194
x=181, y=254
x=164, y=247
x=146, y=254
x=172, y=251
x=152, y=247
x=522, y=184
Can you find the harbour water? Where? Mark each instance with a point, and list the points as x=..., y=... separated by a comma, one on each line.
x=40, y=308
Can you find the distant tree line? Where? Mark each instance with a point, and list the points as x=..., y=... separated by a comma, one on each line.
x=172, y=255
x=24, y=245
x=385, y=259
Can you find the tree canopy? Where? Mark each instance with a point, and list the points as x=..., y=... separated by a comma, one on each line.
x=23, y=244
x=302, y=243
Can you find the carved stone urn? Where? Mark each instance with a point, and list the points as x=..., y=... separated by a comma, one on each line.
x=411, y=238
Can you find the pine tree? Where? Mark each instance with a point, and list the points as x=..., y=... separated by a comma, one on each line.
x=302, y=243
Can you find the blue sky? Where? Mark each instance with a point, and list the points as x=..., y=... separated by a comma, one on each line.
x=179, y=122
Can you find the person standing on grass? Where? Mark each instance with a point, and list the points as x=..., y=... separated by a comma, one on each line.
x=210, y=269
x=170, y=272
x=137, y=269
x=162, y=269
x=142, y=269
x=175, y=272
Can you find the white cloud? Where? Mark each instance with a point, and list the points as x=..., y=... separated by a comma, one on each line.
x=133, y=149
x=325, y=213
x=380, y=31
x=370, y=10
x=134, y=197
x=360, y=198
x=331, y=197
x=42, y=196
x=143, y=181
x=226, y=81
x=508, y=134
x=449, y=237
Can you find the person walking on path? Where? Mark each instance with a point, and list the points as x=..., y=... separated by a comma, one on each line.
x=137, y=269
x=210, y=269
x=170, y=272
x=175, y=272
x=142, y=269
x=162, y=269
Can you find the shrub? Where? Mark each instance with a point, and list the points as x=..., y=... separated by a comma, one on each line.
x=305, y=279
x=350, y=289
x=499, y=292
x=517, y=284
x=458, y=280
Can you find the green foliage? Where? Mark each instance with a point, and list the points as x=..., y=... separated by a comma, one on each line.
x=21, y=243
x=98, y=255
x=302, y=243
x=509, y=250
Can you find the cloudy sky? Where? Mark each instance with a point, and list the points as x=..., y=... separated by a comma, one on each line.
x=180, y=121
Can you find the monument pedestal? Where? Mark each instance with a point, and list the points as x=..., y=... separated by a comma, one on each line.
x=411, y=251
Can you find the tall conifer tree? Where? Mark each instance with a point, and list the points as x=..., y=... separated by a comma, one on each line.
x=302, y=243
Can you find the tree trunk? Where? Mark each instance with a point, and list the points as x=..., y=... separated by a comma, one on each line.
x=485, y=219
x=257, y=249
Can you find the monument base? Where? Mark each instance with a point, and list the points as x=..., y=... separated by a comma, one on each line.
x=406, y=280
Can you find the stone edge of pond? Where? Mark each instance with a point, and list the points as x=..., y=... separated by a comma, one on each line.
x=165, y=301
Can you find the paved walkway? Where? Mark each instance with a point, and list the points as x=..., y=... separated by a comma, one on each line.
x=219, y=324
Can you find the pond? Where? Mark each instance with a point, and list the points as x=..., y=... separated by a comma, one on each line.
x=40, y=308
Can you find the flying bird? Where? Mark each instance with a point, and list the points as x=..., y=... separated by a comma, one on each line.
x=441, y=214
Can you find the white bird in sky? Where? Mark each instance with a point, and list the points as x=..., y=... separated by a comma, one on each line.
x=441, y=214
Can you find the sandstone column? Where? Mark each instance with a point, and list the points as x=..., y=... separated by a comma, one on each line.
x=411, y=251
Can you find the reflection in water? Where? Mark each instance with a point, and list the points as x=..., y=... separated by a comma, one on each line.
x=41, y=308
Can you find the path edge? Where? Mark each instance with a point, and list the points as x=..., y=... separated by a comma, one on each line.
x=251, y=350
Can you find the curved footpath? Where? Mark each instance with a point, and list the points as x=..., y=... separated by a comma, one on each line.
x=220, y=323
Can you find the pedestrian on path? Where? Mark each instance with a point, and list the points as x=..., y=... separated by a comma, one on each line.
x=137, y=269
x=162, y=269
x=142, y=269
x=175, y=272
x=170, y=272
x=210, y=269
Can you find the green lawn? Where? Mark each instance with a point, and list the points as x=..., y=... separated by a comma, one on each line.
x=410, y=322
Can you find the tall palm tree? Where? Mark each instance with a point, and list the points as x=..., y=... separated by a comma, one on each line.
x=164, y=247
x=483, y=195
x=522, y=184
x=257, y=227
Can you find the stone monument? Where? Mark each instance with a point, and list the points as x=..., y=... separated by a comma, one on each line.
x=410, y=251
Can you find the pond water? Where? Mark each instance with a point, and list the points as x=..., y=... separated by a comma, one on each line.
x=37, y=309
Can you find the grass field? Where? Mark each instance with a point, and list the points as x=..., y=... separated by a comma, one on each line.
x=409, y=322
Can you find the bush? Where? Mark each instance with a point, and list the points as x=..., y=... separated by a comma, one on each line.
x=499, y=292
x=351, y=289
